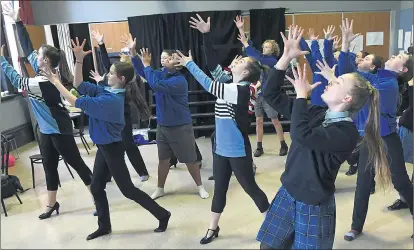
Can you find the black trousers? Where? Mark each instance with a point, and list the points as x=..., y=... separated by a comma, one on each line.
x=110, y=159
x=132, y=151
x=173, y=159
x=400, y=179
x=53, y=145
x=242, y=168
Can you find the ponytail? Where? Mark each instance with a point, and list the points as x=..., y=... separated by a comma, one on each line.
x=65, y=73
x=377, y=153
x=133, y=95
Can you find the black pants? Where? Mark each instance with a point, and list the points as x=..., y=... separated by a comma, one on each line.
x=242, y=168
x=53, y=145
x=110, y=159
x=400, y=179
x=132, y=151
x=173, y=159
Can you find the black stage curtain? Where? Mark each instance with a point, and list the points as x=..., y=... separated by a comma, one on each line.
x=81, y=31
x=55, y=36
x=267, y=24
x=172, y=31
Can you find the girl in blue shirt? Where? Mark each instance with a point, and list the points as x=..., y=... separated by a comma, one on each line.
x=106, y=122
x=385, y=81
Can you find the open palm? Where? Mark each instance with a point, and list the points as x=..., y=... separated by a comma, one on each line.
x=291, y=43
x=200, y=24
x=78, y=49
x=8, y=10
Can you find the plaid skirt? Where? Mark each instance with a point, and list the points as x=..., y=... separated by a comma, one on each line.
x=406, y=137
x=291, y=224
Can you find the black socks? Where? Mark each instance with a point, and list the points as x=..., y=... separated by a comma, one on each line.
x=163, y=224
x=283, y=144
x=98, y=233
x=259, y=145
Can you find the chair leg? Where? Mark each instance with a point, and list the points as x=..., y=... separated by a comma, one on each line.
x=84, y=143
x=17, y=196
x=33, y=174
x=4, y=207
x=69, y=169
x=87, y=144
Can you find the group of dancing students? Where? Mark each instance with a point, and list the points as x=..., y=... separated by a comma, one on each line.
x=348, y=115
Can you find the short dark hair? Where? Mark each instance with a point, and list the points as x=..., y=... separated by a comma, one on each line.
x=51, y=53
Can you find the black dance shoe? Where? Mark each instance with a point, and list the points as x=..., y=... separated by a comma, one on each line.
x=49, y=213
x=206, y=240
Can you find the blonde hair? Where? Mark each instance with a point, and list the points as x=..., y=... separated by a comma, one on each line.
x=363, y=92
x=125, y=58
x=275, y=47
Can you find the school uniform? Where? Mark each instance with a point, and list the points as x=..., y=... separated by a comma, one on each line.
x=386, y=83
x=405, y=130
x=106, y=122
x=132, y=151
x=261, y=106
x=232, y=152
x=302, y=215
x=174, y=121
x=55, y=125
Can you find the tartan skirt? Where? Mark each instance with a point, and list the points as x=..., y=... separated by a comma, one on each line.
x=291, y=224
x=406, y=137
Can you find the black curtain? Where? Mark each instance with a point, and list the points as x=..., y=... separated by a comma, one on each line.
x=267, y=24
x=55, y=36
x=81, y=31
x=172, y=31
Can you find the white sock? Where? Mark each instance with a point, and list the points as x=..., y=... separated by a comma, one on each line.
x=159, y=192
x=144, y=178
x=202, y=192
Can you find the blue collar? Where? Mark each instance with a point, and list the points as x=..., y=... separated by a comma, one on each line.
x=334, y=116
x=115, y=91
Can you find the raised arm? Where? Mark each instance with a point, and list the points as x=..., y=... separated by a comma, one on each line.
x=23, y=35
x=79, y=55
x=328, y=45
x=345, y=63
x=102, y=48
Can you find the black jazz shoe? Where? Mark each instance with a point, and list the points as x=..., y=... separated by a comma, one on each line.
x=49, y=213
x=398, y=205
x=206, y=240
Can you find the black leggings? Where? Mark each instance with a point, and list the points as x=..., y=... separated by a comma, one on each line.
x=242, y=168
x=132, y=151
x=53, y=145
x=110, y=159
x=400, y=179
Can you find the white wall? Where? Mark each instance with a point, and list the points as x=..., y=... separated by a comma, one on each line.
x=53, y=12
x=406, y=5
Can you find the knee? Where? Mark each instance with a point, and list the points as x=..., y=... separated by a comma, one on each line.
x=95, y=189
x=275, y=121
x=259, y=120
x=127, y=190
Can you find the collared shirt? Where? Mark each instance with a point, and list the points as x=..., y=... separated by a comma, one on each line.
x=335, y=116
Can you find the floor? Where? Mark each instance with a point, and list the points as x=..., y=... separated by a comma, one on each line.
x=132, y=226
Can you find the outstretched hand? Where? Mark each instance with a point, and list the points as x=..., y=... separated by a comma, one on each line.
x=347, y=31
x=239, y=22
x=78, y=50
x=182, y=59
x=8, y=10
x=145, y=57
x=291, y=43
x=130, y=43
x=199, y=24
x=52, y=77
x=325, y=71
x=98, y=36
x=311, y=34
x=95, y=76
x=301, y=83
x=336, y=42
x=329, y=32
